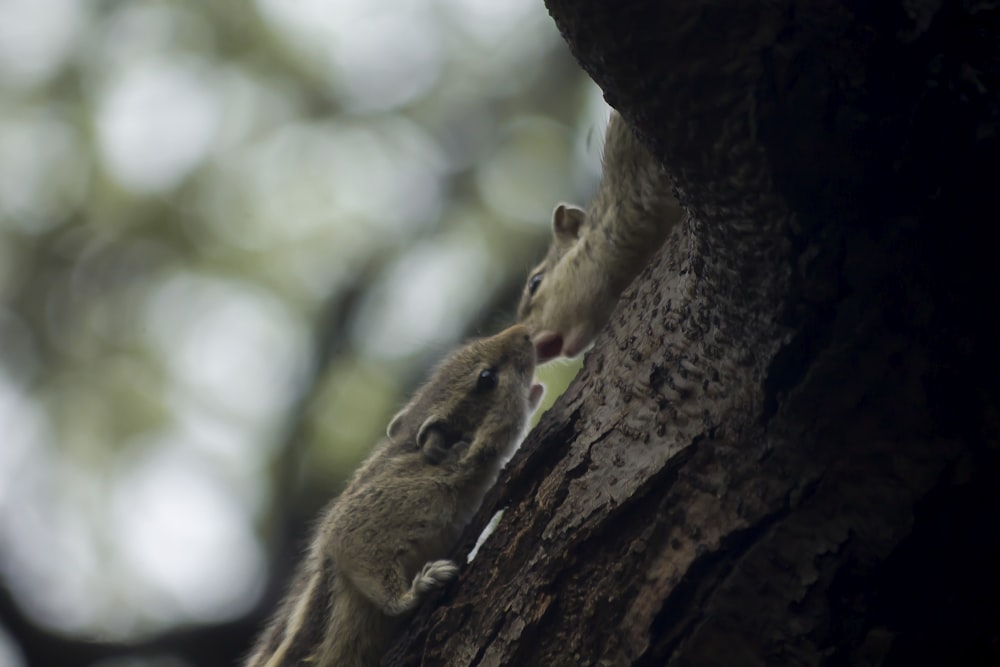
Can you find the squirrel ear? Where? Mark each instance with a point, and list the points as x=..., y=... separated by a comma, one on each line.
x=395, y=425
x=566, y=221
x=431, y=440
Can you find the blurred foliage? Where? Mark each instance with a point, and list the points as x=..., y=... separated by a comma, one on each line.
x=233, y=235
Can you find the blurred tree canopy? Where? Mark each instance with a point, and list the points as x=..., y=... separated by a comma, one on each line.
x=232, y=237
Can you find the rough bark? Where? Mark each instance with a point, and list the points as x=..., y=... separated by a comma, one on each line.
x=783, y=449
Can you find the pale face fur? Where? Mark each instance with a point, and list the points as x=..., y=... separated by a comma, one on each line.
x=568, y=296
x=596, y=253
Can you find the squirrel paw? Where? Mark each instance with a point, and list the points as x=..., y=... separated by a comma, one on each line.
x=434, y=574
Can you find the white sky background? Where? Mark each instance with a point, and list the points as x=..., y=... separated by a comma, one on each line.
x=160, y=529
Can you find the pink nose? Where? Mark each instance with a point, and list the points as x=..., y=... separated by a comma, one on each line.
x=548, y=345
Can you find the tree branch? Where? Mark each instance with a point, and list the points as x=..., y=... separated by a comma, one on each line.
x=793, y=378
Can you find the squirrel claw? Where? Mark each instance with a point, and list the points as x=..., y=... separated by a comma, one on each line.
x=435, y=574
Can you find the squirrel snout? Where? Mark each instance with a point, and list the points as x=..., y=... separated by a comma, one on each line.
x=519, y=331
x=516, y=340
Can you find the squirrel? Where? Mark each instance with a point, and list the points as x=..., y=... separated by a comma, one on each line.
x=595, y=253
x=381, y=545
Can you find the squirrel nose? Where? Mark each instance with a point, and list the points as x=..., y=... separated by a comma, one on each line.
x=520, y=331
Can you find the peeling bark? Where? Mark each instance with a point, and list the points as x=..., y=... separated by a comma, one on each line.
x=782, y=448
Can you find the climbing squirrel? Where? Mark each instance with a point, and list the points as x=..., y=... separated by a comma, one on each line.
x=595, y=253
x=380, y=546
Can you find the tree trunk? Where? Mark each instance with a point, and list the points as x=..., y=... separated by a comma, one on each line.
x=783, y=448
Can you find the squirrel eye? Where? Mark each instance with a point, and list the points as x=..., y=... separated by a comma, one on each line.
x=534, y=282
x=487, y=380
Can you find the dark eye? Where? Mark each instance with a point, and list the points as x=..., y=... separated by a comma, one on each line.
x=487, y=380
x=534, y=282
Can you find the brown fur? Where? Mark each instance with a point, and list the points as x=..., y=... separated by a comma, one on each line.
x=595, y=253
x=380, y=545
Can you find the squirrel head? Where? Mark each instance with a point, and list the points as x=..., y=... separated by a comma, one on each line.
x=566, y=298
x=476, y=402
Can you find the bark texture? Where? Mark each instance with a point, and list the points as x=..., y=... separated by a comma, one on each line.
x=784, y=447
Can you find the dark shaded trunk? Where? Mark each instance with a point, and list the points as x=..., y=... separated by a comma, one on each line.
x=783, y=449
